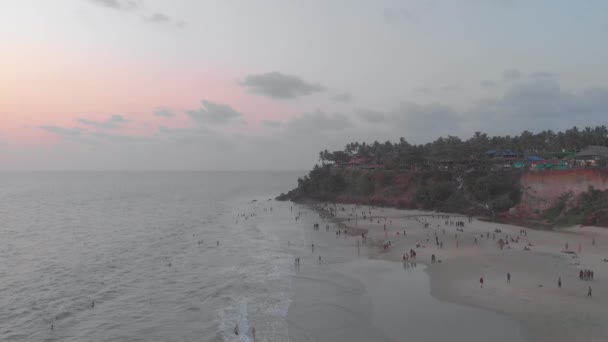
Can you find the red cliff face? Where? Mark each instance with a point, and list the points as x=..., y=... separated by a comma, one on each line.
x=540, y=189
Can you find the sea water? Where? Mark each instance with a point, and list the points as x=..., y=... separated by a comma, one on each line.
x=107, y=256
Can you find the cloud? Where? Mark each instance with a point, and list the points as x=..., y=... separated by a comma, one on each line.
x=62, y=131
x=159, y=18
x=413, y=12
x=280, y=86
x=397, y=15
x=197, y=136
x=511, y=75
x=112, y=123
x=487, y=84
x=213, y=113
x=318, y=121
x=450, y=87
x=118, y=4
x=425, y=118
x=271, y=123
x=541, y=75
x=343, y=97
x=540, y=104
x=423, y=90
x=136, y=5
x=164, y=112
x=371, y=116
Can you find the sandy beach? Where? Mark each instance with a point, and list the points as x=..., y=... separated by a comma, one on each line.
x=535, y=260
x=353, y=294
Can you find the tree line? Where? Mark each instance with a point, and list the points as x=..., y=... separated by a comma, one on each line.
x=454, y=148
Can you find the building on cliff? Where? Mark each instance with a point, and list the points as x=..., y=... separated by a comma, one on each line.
x=597, y=155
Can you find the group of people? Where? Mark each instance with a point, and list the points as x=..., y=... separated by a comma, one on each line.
x=387, y=245
x=585, y=274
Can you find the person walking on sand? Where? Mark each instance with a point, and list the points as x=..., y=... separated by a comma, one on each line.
x=508, y=277
x=559, y=282
x=481, y=282
x=589, y=292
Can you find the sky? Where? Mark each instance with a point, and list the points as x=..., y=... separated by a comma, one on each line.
x=267, y=84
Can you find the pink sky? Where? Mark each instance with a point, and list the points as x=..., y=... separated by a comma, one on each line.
x=41, y=87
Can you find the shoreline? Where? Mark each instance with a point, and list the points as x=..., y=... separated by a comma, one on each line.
x=532, y=297
x=352, y=295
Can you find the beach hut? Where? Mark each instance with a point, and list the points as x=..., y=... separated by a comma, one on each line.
x=508, y=154
x=598, y=154
x=534, y=158
x=490, y=153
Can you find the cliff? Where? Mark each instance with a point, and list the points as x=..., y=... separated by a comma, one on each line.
x=537, y=198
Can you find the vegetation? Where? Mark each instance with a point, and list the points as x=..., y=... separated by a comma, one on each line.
x=402, y=153
x=567, y=211
x=477, y=190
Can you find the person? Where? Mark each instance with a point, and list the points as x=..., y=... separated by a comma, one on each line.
x=481, y=282
x=508, y=277
x=218, y=243
x=589, y=292
x=559, y=282
x=313, y=247
x=319, y=259
x=236, y=329
x=92, y=304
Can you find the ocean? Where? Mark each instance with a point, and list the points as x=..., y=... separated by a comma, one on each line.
x=143, y=248
x=189, y=256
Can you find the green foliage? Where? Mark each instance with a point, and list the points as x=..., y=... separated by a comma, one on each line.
x=402, y=153
x=365, y=185
x=457, y=202
x=502, y=203
x=588, y=203
x=558, y=207
x=430, y=196
x=487, y=186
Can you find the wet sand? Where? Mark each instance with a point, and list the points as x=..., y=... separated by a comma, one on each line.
x=532, y=298
x=354, y=295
